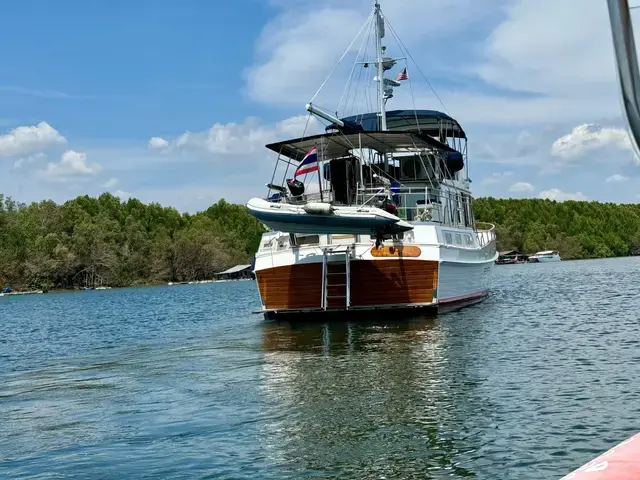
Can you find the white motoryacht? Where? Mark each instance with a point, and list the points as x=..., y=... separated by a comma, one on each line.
x=374, y=213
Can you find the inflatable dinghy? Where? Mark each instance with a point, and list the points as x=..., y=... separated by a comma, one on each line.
x=324, y=218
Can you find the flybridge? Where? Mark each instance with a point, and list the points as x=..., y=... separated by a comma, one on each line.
x=430, y=122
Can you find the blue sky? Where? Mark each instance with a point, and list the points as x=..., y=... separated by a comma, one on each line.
x=85, y=86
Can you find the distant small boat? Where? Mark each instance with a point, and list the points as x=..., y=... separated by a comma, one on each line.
x=320, y=218
x=509, y=261
x=30, y=292
x=511, y=257
x=545, y=257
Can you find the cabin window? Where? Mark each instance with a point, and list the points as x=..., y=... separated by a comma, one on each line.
x=447, y=238
x=468, y=241
x=460, y=211
x=458, y=239
x=466, y=200
x=451, y=218
x=308, y=240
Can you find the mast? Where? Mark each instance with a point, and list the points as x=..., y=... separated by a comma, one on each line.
x=380, y=66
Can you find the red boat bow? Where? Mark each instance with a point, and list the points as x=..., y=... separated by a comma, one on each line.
x=622, y=462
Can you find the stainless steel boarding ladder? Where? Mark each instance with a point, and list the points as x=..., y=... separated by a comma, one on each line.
x=336, y=277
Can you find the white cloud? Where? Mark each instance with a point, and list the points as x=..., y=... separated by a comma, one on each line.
x=560, y=196
x=246, y=138
x=521, y=187
x=21, y=162
x=573, y=55
x=29, y=139
x=292, y=64
x=586, y=138
x=111, y=183
x=497, y=177
x=616, y=178
x=122, y=194
x=566, y=74
x=158, y=143
x=72, y=165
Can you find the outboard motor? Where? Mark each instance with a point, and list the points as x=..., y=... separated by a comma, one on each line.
x=296, y=187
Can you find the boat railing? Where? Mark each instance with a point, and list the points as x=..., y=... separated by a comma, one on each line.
x=486, y=233
x=421, y=204
x=283, y=196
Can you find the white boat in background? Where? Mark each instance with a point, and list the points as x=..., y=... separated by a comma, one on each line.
x=383, y=216
x=545, y=257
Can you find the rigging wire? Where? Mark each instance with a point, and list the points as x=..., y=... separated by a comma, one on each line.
x=304, y=133
x=342, y=57
x=355, y=95
x=402, y=45
x=413, y=99
x=367, y=99
x=347, y=87
x=368, y=102
x=367, y=89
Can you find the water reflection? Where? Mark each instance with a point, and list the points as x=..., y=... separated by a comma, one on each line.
x=364, y=400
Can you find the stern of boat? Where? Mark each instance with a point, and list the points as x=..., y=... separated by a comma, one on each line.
x=341, y=284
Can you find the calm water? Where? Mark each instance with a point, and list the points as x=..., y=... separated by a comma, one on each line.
x=184, y=382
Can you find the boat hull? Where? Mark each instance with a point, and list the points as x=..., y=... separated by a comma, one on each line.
x=548, y=259
x=404, y=277
x=374, y=284
x=545, y=258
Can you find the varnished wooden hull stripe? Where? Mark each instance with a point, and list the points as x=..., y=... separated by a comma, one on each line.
x=389, y=282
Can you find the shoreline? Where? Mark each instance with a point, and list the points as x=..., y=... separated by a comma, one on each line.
x=203, y=282
x=105, y=288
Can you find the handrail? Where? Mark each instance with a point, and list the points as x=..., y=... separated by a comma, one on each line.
x=490, y=225
x=627, y=65
x=485, y=236
x=413, y=203
x=420, y=203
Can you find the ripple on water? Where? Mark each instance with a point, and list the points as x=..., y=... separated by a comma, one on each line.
x=183, y=382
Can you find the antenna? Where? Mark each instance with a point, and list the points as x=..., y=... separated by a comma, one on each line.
x=379, y=63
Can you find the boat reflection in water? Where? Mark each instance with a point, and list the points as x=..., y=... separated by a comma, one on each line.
x=366, y=400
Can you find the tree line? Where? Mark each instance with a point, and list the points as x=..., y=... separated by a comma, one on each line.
x=576, y=229
x=88, y=242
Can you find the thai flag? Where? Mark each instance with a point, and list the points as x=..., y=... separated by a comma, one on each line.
x=309, y=163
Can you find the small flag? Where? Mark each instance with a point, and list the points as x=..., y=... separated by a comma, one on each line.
x=309, y=163
x=402, y=75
